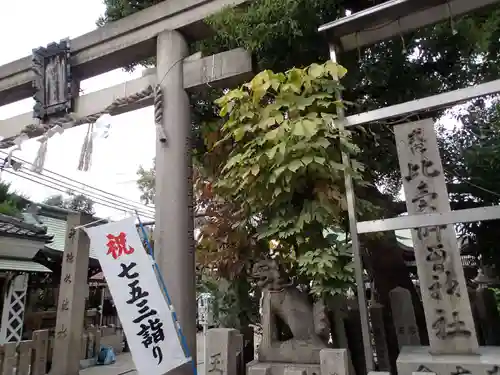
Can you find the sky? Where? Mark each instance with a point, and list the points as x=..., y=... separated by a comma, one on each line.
x=131, y=140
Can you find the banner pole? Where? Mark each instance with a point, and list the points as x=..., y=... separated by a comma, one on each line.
x=169, y=301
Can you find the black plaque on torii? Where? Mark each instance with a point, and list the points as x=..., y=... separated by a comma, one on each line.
x=52, y=82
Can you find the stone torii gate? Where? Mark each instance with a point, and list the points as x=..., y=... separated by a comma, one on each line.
x=53, y=74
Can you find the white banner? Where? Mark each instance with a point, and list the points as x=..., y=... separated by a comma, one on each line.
x=143, y=311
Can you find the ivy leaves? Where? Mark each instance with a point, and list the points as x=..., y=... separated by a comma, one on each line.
x=281, y=126
x=282, y=161
x=329, y=270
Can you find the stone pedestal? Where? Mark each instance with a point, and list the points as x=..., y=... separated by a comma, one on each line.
x=418, y=359
x=333, y=362
x=279, y=368
x=403, y=314
x=221, y=351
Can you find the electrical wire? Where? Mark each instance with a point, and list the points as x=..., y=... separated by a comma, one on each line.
x=126, y=200
x=112, y=199
x=36, y=177
x=88, y=194
x=98, y=201
x=169, y=69
x=465, y=181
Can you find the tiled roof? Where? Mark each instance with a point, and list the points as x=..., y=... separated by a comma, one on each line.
x=55, y=220
x=57, y=227
x=22, y=265
x=13, y=227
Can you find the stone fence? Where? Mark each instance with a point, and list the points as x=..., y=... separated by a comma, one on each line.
x=33, y=357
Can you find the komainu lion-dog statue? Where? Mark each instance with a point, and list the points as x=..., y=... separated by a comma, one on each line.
x=294, y=329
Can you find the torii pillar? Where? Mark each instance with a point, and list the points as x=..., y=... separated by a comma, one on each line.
x=174, y=240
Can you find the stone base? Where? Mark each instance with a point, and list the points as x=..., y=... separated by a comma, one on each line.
x=277, y=368
x=291, y=351
x=418, y=359
x=86, y=363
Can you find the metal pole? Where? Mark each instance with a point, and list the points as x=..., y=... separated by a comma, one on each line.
x=102, y=306
x=358, y=265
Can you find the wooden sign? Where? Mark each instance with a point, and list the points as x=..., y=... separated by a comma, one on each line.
x=52, y=82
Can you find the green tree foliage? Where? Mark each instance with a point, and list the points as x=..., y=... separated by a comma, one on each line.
x=278, y=157
x=55, y=200
x=472, y=162
x=146, y=183
x=11, y=203
x=227, y=307
x=78, y=202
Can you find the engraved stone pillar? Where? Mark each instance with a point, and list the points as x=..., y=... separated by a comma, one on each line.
x=338, y=305
x=447, y=309
x=222, y=347
x=334, y=362
x=379, y=337
x=267, y=321
x=248, y=344
x=472, y=299
x=71, y=303
x=403, y=316
x=354, y=336
x=240, y=365
x=174, y=241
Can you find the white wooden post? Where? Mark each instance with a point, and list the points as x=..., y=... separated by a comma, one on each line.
x=13, y=309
